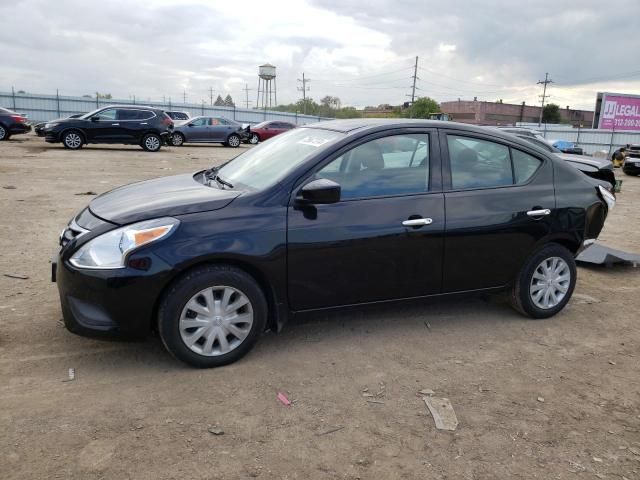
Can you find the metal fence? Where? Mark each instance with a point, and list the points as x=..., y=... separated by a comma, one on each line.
x=40, y=108
x=590, y=139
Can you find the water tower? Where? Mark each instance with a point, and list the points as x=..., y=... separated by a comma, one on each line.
x=266, y=86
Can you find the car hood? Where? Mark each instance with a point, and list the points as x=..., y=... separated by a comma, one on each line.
x=161, y=197
x=583, y=159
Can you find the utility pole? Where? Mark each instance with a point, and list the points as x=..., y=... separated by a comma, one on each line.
x=304, y=89
x=544, y=82
x=246, y=91
x=413, y=86
x=184, y=96
x=211, y=95
x=415, y=77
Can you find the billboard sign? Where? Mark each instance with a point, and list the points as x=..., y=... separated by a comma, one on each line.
x=620, y=112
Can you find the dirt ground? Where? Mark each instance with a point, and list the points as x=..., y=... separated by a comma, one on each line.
x=551, y=399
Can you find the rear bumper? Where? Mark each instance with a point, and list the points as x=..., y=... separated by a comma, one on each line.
x=18, y=128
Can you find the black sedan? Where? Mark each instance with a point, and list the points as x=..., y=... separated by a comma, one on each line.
x=12, y=123
x=148, y=127
x=339, y=213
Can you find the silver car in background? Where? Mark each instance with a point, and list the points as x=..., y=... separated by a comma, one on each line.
x=208, y=130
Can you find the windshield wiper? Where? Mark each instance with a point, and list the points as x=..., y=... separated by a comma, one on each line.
x=222, y=181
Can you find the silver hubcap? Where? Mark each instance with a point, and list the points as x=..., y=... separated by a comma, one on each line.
x=152, y=143
x=177, y=140
x=254, y=139
x=216, y=321
x=2, y=133
x=234, y=141
x=550, y=282
x=72, y=140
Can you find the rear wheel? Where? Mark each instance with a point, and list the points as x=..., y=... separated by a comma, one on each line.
x=4, y=135
x=72, y=140
x=233, y=140
x=177, y=139
x=212, y=316
x=545, y=283
x=151, y=142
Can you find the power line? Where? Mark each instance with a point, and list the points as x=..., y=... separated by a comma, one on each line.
x=544, y=82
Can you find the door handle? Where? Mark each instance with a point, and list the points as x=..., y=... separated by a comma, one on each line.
x=539, y=213
x=115, y=124
x=144, y=123
x=417, y=222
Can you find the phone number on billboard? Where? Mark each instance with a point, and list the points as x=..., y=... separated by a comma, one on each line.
x=627, y=122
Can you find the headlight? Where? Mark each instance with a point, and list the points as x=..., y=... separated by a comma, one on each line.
x=607, y=196
x=50, y=125
x=110, y=249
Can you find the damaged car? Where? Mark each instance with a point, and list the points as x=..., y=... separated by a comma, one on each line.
x=330, y=215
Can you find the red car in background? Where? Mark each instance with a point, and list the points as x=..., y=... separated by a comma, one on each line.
x=265, y=130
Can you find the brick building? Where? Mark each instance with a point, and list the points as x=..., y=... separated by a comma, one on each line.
x=497, y=113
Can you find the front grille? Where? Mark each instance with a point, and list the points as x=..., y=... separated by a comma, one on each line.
x=72, y=231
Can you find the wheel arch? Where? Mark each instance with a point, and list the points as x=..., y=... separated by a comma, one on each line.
x=273, y=313
x=75, y=129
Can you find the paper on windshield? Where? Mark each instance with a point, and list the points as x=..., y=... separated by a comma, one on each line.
x=313, y=141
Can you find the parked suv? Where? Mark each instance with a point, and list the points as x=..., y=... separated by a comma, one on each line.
x=130, y=125
x=333, y=214
x=12, y=123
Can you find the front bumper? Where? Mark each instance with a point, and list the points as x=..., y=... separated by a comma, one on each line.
x=631, y=168
x=110, y=303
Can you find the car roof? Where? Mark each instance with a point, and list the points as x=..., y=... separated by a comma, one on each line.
x=364, y=124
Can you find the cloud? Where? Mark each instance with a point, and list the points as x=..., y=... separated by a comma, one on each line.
x=361, y=51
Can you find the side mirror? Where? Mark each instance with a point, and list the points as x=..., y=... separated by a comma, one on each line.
x=191, y=125
x=321, y=191
x=95, y=118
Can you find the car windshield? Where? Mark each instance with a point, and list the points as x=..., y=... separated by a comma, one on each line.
x=93, y=112
x=265, y=165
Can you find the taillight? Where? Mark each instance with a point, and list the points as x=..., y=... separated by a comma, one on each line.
x=166, y=120
x=18, y=118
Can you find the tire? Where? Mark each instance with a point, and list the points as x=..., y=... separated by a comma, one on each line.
x=254, y=139
x=4, y=133
x=233, y=141
x=72, y=139
x=177, y=139
x=552, y=263
x=151, y=142
x=176, y=319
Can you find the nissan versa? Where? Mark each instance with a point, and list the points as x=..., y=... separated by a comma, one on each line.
x=339, y=213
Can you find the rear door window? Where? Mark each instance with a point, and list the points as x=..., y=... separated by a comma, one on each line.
x=524, y=165
x=477, y=163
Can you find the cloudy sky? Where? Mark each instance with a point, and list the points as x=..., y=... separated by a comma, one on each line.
x=360, y=51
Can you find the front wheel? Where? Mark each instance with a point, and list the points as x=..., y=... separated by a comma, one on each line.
x=545, y=283
x=72, y=140
x=151, y=142
x=254, y=139
x=177, y=139
x=212, y=316
x=233, y=141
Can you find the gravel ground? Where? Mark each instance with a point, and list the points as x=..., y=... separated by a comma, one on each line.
x=550, y=399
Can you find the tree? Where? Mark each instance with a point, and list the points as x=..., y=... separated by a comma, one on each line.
x=228, y=101
x=348, y=112
x=105, y=96
x=219, y=102
x=551, y=113
x=421, y=108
